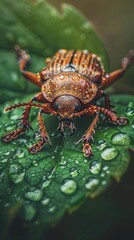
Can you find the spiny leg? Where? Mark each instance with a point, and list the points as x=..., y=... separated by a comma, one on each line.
x=95, y=110
x=43, y=135
x=24, y=59
x=87, y=150
x=24, y=119
x=108, y=79
x=24, y=123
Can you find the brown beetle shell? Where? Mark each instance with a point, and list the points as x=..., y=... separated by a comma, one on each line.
x=70, y=83
x=71, y=72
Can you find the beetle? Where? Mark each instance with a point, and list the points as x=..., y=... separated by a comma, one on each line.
x=70, y=84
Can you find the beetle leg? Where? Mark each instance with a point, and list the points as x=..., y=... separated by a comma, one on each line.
x=107, y=80
x=24, y=118
x=24, y=59
x=101, y=94
x=43, y=135
x=108, y=113
x=87, y=150
x=24, y=123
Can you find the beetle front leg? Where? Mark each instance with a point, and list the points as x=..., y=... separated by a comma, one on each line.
x=24, y=119
x=24, y=123
x=87, y=150
x=109, y=79
x=43, y=135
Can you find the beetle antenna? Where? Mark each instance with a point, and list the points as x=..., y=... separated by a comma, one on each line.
x=21, y=105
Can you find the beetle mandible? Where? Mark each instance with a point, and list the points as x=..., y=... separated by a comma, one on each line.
x=70, y=84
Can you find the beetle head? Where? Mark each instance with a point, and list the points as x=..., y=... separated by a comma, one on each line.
x=66, y=106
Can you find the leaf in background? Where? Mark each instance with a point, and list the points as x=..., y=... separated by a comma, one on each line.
x=42, y=30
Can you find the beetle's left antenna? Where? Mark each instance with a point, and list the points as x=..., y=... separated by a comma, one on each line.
x=21, y=105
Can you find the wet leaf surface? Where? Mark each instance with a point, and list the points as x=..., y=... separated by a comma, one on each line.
x=59, y=179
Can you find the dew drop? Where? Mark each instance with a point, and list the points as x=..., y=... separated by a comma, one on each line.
x=121, y=139
x=18, y=178
x=51, y=209
x=91, y=183
x=68, y=186
x=29, y=212
x=45, y=201
x=95, y=167
x=14, y=168
x=14, y=117
x=63, y=161
x=45, y=183
x=9, y=128
x=6, y=153
x=130, y=109
x=109, y=153
x=133, y=124
x=35, y=195
x=104, y=183
x=14, y=76
x=73, y=172
x=105, y=168
x=4, y=160
x=101, y=144
x=20, y=153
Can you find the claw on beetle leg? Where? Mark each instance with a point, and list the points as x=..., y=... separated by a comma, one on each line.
x=87, y=150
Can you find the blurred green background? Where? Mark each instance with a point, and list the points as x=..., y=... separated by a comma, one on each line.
x=114, y=21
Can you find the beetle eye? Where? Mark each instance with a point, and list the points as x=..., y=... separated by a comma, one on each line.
x=77, y=107
x=56, y=105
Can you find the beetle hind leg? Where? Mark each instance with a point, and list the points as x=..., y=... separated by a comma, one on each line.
x=109, y=79
x=24, y=59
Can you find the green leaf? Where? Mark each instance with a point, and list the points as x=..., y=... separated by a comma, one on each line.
x=41, y=188
x=42, y=30
x=59, y=180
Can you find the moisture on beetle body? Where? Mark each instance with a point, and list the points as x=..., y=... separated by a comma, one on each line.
x=69, y=85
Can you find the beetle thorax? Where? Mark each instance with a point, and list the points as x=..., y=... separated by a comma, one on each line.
x=69, y=83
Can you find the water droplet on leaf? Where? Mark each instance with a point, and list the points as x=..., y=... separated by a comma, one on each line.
x=95, y=167
x=68, y=186
x=20, y=153
x=91, y=183
x=35, y=195
x=16, y=178
x=73, y=172
x=101, y=144
x=109, y=153
x=121, y=139
x=133, y=124
x=130, y=109
x=45, y=201
x=51, y=209
x=29, y=212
